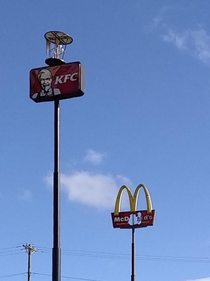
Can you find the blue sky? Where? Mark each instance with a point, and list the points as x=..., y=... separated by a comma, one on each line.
x=144, y=118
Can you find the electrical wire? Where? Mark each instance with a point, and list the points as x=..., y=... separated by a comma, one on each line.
x=10, y=251
x=67, y=277
x=16, y=250
x=12, y=275
x=94, y=254
x=109, y=255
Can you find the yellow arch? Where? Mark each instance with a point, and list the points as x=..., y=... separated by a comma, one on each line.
x=147, y=195
x=133, y=199
x=118, y=199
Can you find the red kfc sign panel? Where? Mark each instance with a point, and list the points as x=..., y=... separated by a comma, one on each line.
x=57, y=82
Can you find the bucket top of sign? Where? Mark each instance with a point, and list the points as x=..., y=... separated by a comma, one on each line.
x=56, y=42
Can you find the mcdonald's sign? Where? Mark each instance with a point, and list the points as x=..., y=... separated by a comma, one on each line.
x=133, y=218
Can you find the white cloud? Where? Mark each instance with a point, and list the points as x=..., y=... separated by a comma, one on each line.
x=96, y=190
x=94, y=157
x=195, y=42
x=124, y=180
x=179, y=40
x=202, y=279
x=93, y=189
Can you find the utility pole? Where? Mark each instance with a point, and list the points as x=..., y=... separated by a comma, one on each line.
x=30, y=250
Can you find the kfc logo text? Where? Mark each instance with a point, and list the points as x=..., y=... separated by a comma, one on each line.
x=64, y=78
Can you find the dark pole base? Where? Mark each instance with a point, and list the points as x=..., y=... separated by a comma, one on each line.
x=56, y=274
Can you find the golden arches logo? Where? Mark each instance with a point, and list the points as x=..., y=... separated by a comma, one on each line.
x=133, y=199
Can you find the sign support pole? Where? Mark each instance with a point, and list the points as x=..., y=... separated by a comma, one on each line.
x=56, y=274
x=133, y=255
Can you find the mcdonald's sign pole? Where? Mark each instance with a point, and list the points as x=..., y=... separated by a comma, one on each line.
x=59, y=80
x=134, y=218
x=133, y=256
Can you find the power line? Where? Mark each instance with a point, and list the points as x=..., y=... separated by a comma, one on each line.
x=9, y=251
x=8, y=248
x=68, y=277
x=110, y=255
x=12, y=275
x=10, y=254
x=46, y=274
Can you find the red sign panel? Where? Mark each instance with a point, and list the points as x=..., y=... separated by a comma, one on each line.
x=133, y=219
x=57, y=82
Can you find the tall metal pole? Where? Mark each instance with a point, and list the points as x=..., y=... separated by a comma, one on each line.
x=56, y=276
x=133, y=255
x=56, y=270
x=55, y=40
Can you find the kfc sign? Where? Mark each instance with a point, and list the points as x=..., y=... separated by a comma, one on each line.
x=57, y=82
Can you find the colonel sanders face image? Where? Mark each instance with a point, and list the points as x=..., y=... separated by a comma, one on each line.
x=45, y=80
